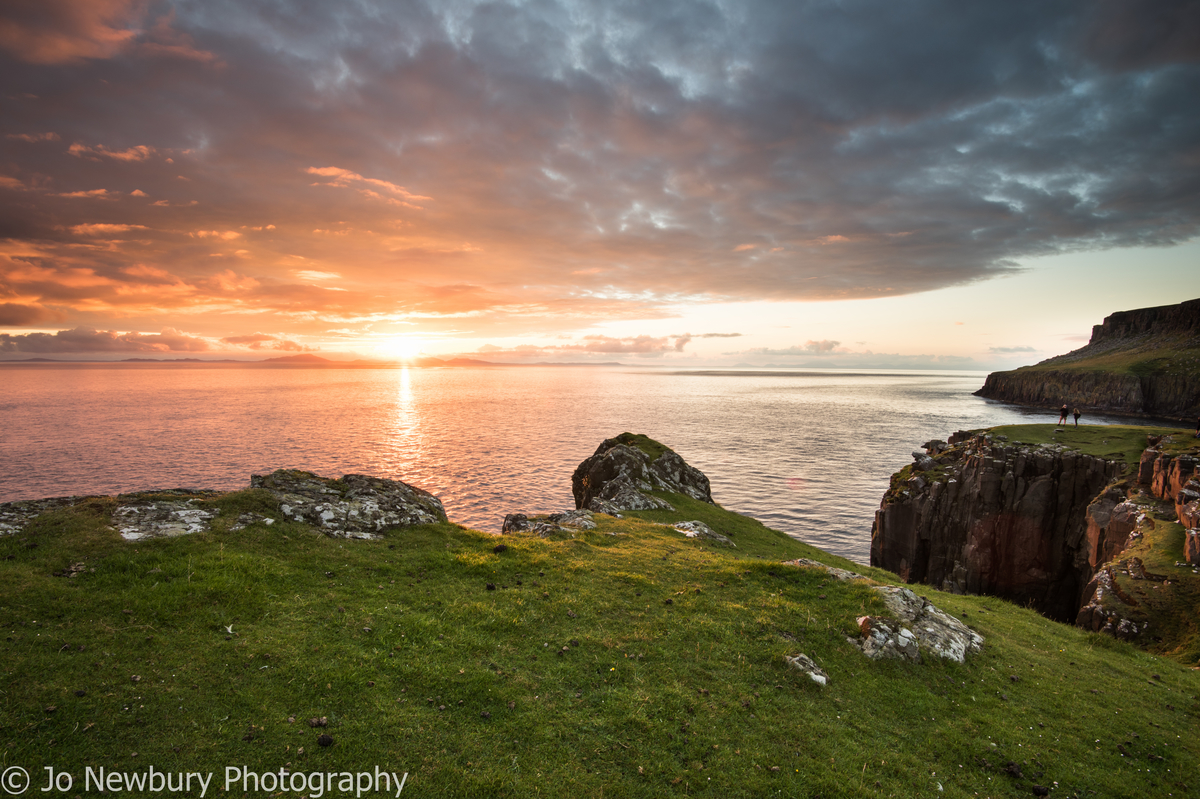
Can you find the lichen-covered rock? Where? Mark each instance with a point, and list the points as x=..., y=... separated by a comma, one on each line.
x=14, y=516
x=913, y=623
x=836, y=573
x=935, y=631
x=881, y=638
x=154, y=516
x=355, y=506
x=619, y=475
x=549, y=524
x=698, y=529
x=804, y=664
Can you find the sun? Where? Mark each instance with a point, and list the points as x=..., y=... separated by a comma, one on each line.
x=403, y=348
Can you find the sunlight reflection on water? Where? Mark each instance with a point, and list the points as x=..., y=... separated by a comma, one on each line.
x=809, y=453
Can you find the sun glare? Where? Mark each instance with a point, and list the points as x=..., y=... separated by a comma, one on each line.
x=403, y=348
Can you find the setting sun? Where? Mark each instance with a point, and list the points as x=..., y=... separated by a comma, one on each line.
x=401, y=348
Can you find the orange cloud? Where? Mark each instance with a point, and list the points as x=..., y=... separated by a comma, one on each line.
x=68, y=31
x=95, y=194
x=344, y=177
x=139, y=153
x=104, y=229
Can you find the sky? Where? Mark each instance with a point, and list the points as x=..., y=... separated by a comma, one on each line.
x=852, y=184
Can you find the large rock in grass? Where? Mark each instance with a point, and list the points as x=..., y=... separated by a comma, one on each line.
x=356, y=506
x=623, y=469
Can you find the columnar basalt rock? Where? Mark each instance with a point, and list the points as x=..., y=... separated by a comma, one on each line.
x=619, y=475
x=994, y=518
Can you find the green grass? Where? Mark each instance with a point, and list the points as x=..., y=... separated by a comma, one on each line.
x=1114, y=442
x=650, y=698
x=1168, y=599
x=646, y=444
x=1176, y=359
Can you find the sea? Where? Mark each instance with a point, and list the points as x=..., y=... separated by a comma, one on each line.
x=807, y=452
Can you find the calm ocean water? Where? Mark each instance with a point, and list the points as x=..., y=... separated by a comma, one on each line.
x=809, y=453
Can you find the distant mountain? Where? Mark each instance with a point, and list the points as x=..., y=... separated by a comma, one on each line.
x=174, y=360
x=306, y=358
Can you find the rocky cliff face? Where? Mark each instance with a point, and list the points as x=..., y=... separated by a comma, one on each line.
x=1177, y=479
x=1142, y=362
x=1040, y=525
x=983, y=516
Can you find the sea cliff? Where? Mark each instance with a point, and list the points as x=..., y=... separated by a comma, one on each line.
x=1143, y=362
x=1081, y=523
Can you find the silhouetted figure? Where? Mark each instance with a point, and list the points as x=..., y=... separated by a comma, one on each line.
x=1076, y=412
x=1062, y=414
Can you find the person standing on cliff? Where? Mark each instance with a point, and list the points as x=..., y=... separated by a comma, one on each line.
x=1077, y=414
x=1062, y=414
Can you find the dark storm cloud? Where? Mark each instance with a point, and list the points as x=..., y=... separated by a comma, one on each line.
x=531, y=158
x=89, y=340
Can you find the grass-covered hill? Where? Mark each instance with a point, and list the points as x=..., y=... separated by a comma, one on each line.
x=1145, y=361
x=622, y=661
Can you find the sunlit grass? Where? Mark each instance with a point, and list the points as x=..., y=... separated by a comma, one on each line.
x=672, y=680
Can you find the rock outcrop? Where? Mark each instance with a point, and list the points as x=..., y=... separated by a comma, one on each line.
x=355, y=506
x=549, y=524
x=698, y=529
x=985, y=517
x=912, y=625
x=154, y=516
x=1176, y=478
x=805, y=665
x=14, y=516
x=621, y=472
x=1159, y=349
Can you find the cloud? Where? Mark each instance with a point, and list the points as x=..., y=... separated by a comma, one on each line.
x=260, y=341
x=94, y=194
x=138, y=153
x=589, y=161
x=1001, y=350
x=344, y=177
x=67, y=31
x=810, y=347
x=34, y=137
x=104, y=229
x=14, y=314
x=683, y=340
x=85, y=340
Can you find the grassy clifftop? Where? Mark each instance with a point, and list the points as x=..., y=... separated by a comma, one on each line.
x=624, y=661
x=1144, y=362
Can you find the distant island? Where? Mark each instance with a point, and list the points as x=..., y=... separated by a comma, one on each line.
x=1144, y=362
